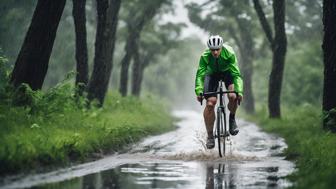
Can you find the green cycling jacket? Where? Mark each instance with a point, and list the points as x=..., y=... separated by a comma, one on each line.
x=227, y=62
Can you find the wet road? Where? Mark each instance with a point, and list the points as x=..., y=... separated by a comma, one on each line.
x=178, y=159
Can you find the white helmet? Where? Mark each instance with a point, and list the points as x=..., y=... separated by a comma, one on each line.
x=215, y=42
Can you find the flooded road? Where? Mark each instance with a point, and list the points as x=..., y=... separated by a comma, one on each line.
x=178, y=159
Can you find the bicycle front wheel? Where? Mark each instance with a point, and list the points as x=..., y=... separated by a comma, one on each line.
x=223, y=130
x=220, y=134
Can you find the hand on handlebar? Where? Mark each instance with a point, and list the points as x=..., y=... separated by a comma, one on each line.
x=200, y=98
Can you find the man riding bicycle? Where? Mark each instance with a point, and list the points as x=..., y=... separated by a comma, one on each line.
x=218, y=62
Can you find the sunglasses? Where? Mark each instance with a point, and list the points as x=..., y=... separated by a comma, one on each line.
x=214, y=49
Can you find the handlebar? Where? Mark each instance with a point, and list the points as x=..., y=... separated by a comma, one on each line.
x=218, y=92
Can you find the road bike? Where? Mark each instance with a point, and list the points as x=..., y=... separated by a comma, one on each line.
x=221, y=131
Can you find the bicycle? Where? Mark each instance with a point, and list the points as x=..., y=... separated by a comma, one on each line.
x=221, y=131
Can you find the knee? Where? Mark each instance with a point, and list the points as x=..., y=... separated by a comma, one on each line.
x=211, y=102
x=232, y=97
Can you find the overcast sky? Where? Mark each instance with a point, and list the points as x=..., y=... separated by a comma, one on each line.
x=181, y=15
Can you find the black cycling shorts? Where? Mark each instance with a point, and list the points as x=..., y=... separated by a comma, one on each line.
x=211, y=82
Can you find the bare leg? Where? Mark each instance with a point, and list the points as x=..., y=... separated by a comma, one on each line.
x=209, y=115
x=233, y=104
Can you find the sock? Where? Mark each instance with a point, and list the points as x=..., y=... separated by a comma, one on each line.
x=232, y=116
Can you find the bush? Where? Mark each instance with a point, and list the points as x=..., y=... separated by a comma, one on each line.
x=329, y=121
x=53, y=127
x=4, y=76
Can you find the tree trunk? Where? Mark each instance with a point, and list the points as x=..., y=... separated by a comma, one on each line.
x=104, y=47
x=137, y=72
x=32, y=63
x=279, y=48
x=135, y=26
x=329, y=52
x=78, y=13
x=132, y=37
x=329, y=55
x=137, y=66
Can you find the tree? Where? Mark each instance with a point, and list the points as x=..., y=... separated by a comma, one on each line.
x=303, y=26
x=171, y=74
x=107, y=11
x=78, y=13
x=245, y=43
x=135, y=23
x=15, y=18
x=156, y=41
x=329, y=49
x=278, y=45
x=304, y=19
x=32, y=62
x=140, y=63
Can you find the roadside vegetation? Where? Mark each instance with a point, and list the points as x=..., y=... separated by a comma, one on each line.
x=309, y=145
x=54, y=127
x=155, y=56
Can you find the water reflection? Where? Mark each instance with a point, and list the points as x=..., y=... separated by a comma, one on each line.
x=135, y=176
x=230, y=176
x=219, y=177
x=105, y=179
x=208, y=175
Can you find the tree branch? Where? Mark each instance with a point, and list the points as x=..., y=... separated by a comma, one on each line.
x=263, y=21
x=233, y=33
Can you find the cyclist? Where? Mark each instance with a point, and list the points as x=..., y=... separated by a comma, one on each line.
x=218, y=62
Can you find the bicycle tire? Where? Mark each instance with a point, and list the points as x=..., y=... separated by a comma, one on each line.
x=224, y=130
x=218, y=130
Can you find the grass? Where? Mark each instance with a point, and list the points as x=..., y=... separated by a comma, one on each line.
x=309, y=145
x=53, y=130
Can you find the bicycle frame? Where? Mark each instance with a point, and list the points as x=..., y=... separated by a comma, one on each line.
x=221, y=131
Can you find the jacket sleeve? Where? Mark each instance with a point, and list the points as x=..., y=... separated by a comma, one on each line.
x=237, y=78
x=200, y=74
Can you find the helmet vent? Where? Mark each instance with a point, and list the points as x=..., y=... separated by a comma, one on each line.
x=215, y=42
